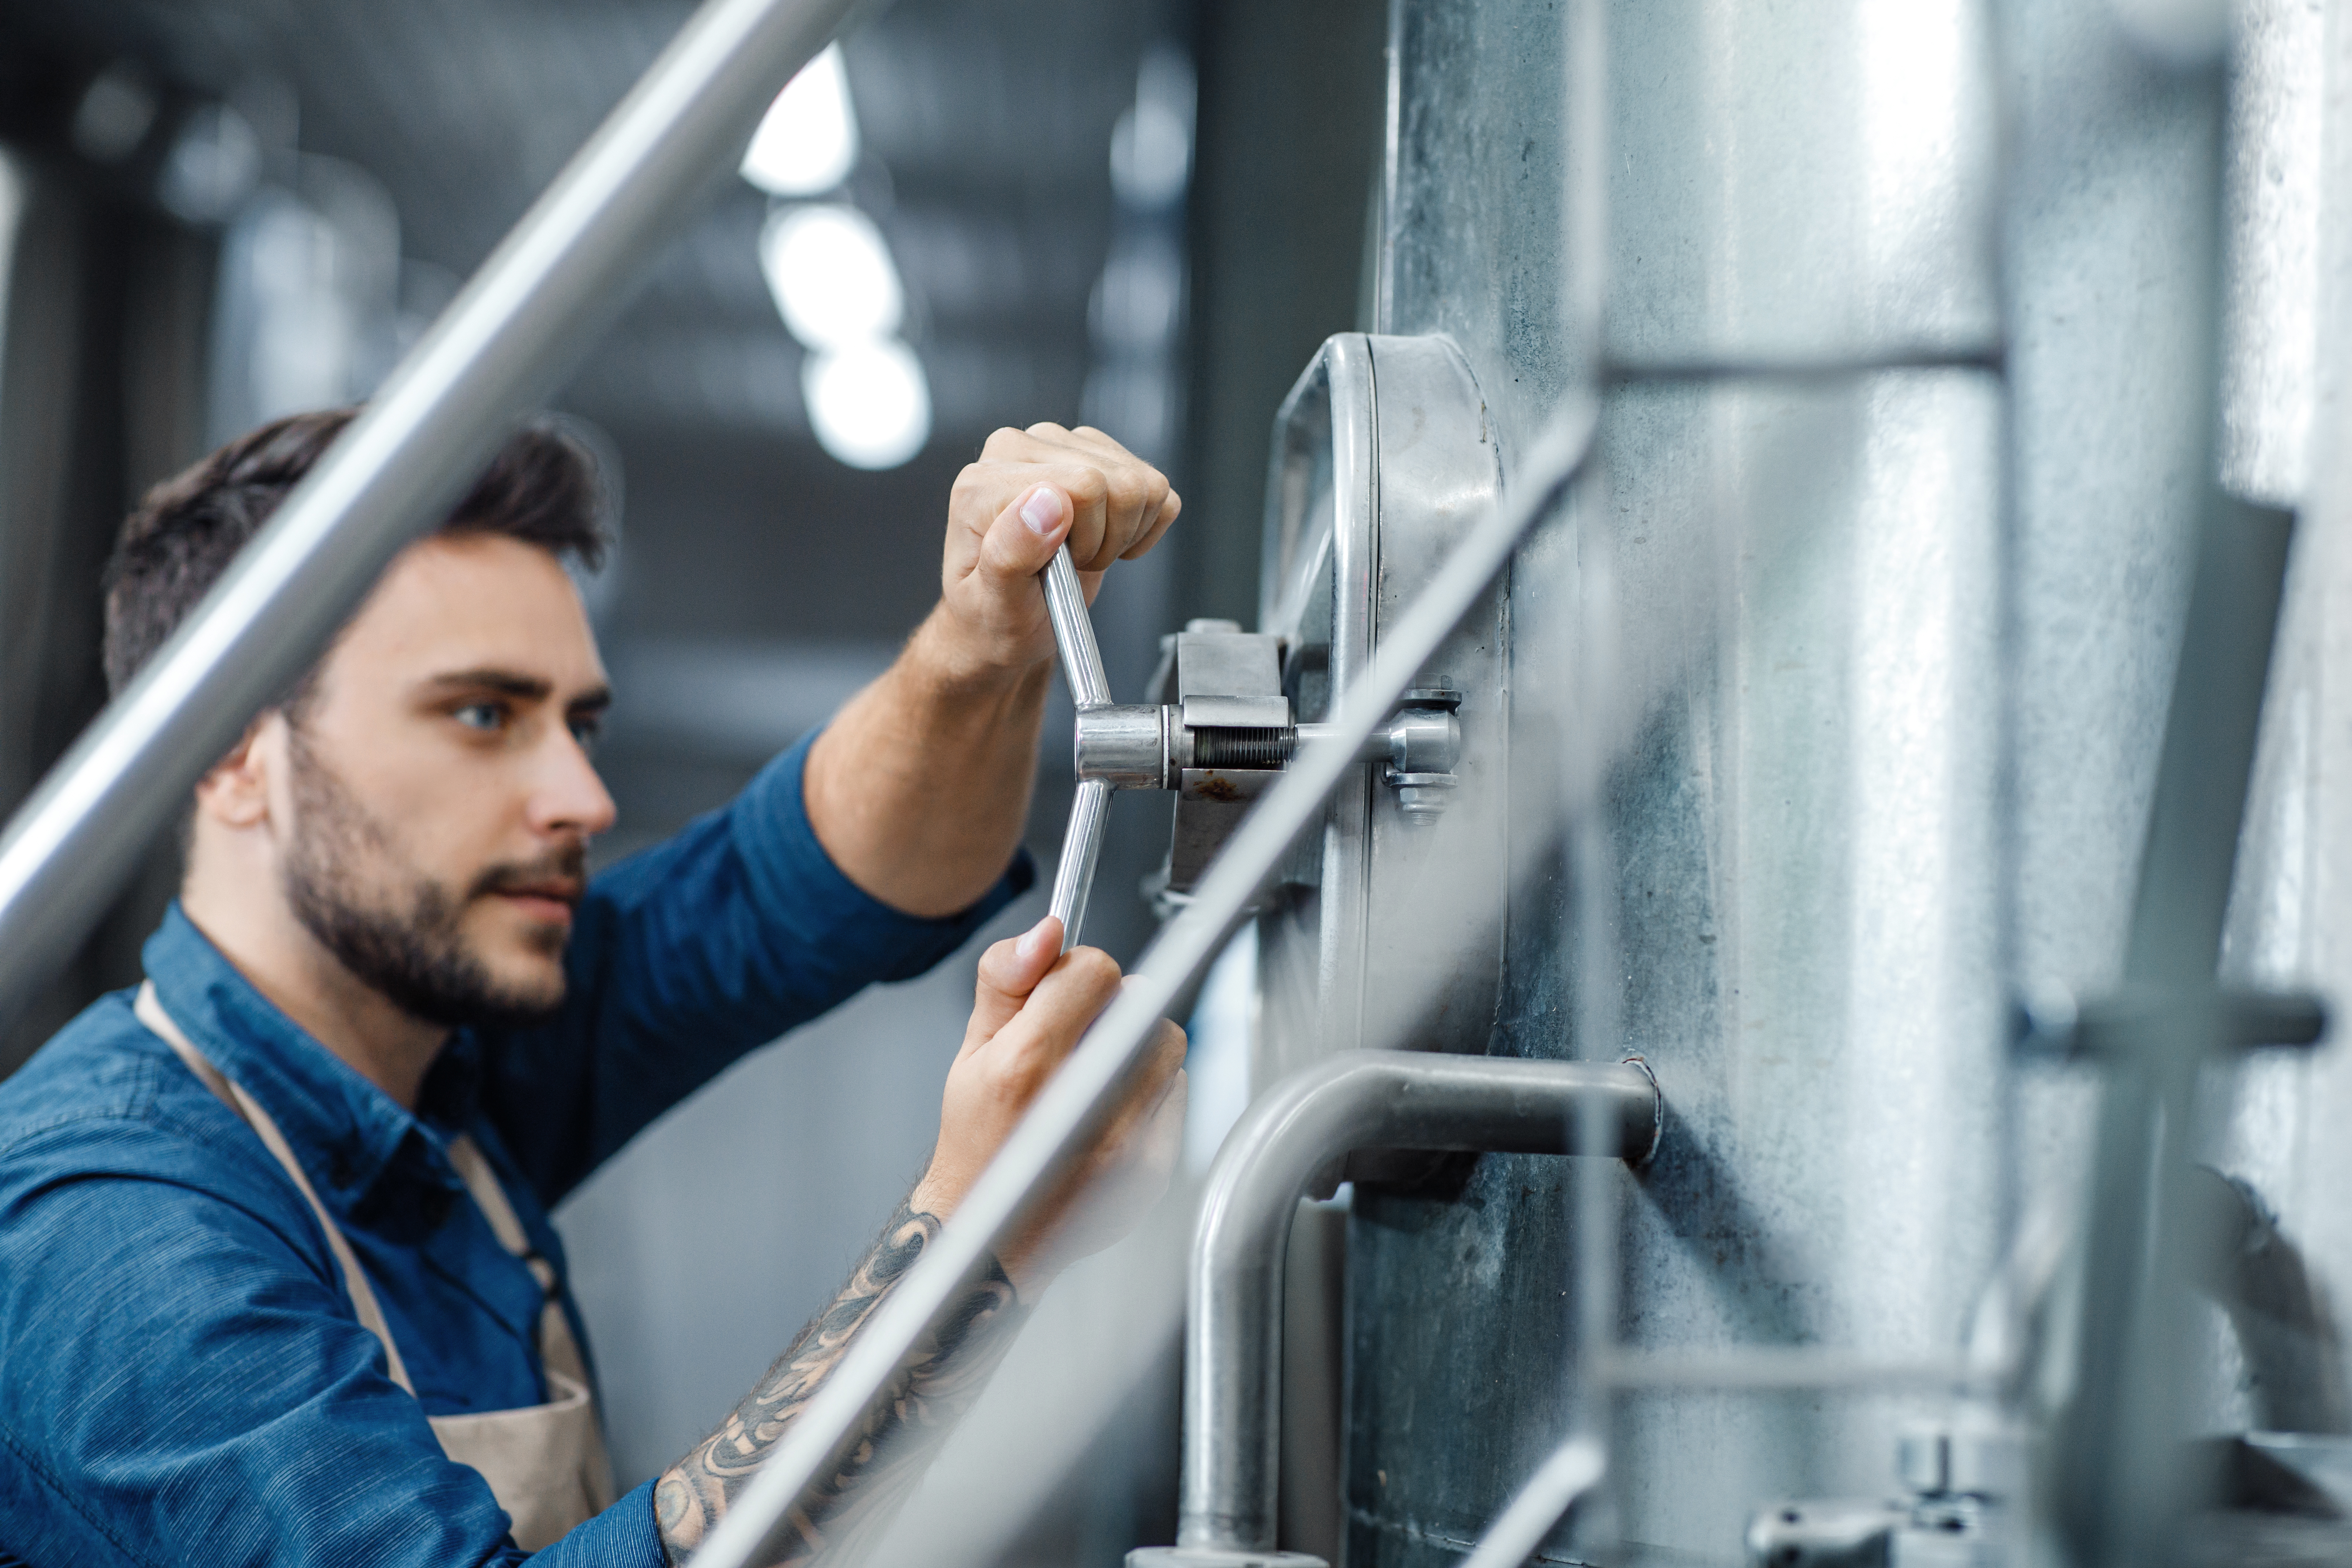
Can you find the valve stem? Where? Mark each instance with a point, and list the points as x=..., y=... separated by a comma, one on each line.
x=1267, y=748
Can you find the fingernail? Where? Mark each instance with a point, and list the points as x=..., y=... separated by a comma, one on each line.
x=1042, y=511
x=1033, y=942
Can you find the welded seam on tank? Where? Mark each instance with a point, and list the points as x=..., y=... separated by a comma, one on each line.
x=1992, y=361
x=1459, y=1543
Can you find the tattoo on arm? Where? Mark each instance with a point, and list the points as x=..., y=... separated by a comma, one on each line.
x=889, y=1455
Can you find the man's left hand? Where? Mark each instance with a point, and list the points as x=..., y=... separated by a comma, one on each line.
x=1030, y=491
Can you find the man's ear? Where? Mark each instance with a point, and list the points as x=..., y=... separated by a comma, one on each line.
x=235, y=792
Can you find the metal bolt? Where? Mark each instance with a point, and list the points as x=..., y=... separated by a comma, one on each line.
x=1421, y=797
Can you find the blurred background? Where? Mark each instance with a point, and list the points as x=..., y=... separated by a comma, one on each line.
x=975, y=213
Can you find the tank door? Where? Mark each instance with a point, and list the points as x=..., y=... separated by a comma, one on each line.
x=1383, y=457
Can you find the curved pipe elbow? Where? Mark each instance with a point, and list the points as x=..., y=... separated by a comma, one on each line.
x=1392, y=1099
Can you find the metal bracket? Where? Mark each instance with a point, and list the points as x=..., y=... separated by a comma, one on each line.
x=2115, y=1027
x=1958, y=1477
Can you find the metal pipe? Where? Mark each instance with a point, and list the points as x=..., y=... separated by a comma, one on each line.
x=1392, y=1099
x=1070, y=1108
x=502, y=345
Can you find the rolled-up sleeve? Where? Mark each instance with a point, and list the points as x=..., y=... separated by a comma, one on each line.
x=687, y=955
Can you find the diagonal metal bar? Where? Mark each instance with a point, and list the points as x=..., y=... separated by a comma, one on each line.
x=2120, y=1479
x=1561, y=1482
x=1083, y=1093
x=503, y=344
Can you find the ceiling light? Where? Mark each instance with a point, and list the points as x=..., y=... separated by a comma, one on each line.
x=115, y=114
x=1136, y=300
x=830, y=273
x=1151, y=145
x=868, y=403
x=214, y=164
x=807, y=142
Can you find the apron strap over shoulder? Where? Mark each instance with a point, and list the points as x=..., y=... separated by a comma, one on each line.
x=557, y=1348
x=546, y=1463
x=150, y=1009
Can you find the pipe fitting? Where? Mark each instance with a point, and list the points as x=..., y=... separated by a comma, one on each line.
x=1233, y=1333
x=1126, y=746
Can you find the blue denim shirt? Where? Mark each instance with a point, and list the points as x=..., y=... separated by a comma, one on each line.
x=183, y=1378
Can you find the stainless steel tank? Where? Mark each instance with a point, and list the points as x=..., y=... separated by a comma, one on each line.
x=1886, y=563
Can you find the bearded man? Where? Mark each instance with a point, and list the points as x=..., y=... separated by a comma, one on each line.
x=277, y=1279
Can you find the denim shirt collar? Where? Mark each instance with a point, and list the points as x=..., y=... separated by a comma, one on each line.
x=352, y=1138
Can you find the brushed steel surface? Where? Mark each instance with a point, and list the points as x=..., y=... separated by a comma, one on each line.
x=1811, y=181
x=1806, y=582
x=1891, y=649
x=2271, y=228
x=2281, y=1129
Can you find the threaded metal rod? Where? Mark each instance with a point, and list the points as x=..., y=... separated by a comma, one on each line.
x=1267, y=748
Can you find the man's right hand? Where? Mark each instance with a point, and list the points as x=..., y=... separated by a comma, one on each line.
x=1030, y=493
x=1030, y=1007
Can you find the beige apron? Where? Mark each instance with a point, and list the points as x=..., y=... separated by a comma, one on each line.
x=545, y=1463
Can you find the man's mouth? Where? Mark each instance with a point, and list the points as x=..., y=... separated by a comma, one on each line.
x=552, y=900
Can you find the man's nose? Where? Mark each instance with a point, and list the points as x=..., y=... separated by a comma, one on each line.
x=568, y=795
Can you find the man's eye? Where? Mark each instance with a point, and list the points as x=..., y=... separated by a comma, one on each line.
x=586, y=729
x=480, y=716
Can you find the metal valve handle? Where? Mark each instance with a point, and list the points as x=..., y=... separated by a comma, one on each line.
x=1074, y=635
x=1237, y=738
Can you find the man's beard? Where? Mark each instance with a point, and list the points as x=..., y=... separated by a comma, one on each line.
x=415, y=956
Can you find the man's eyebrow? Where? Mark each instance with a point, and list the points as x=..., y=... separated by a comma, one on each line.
x=505, y=682
x=521, y=688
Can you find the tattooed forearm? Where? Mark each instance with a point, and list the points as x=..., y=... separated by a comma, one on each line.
x=946, y=1375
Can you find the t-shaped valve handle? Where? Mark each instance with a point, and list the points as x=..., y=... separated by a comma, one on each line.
x=1074, y=635
x=1223, y=746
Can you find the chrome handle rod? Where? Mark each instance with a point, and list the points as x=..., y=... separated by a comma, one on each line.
x=1081, y=847
x=1073, y=1104
x=1074, y=637
x=1074, y=632
x=503, y=343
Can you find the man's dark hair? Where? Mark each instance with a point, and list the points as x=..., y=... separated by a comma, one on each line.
x=543, y=489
